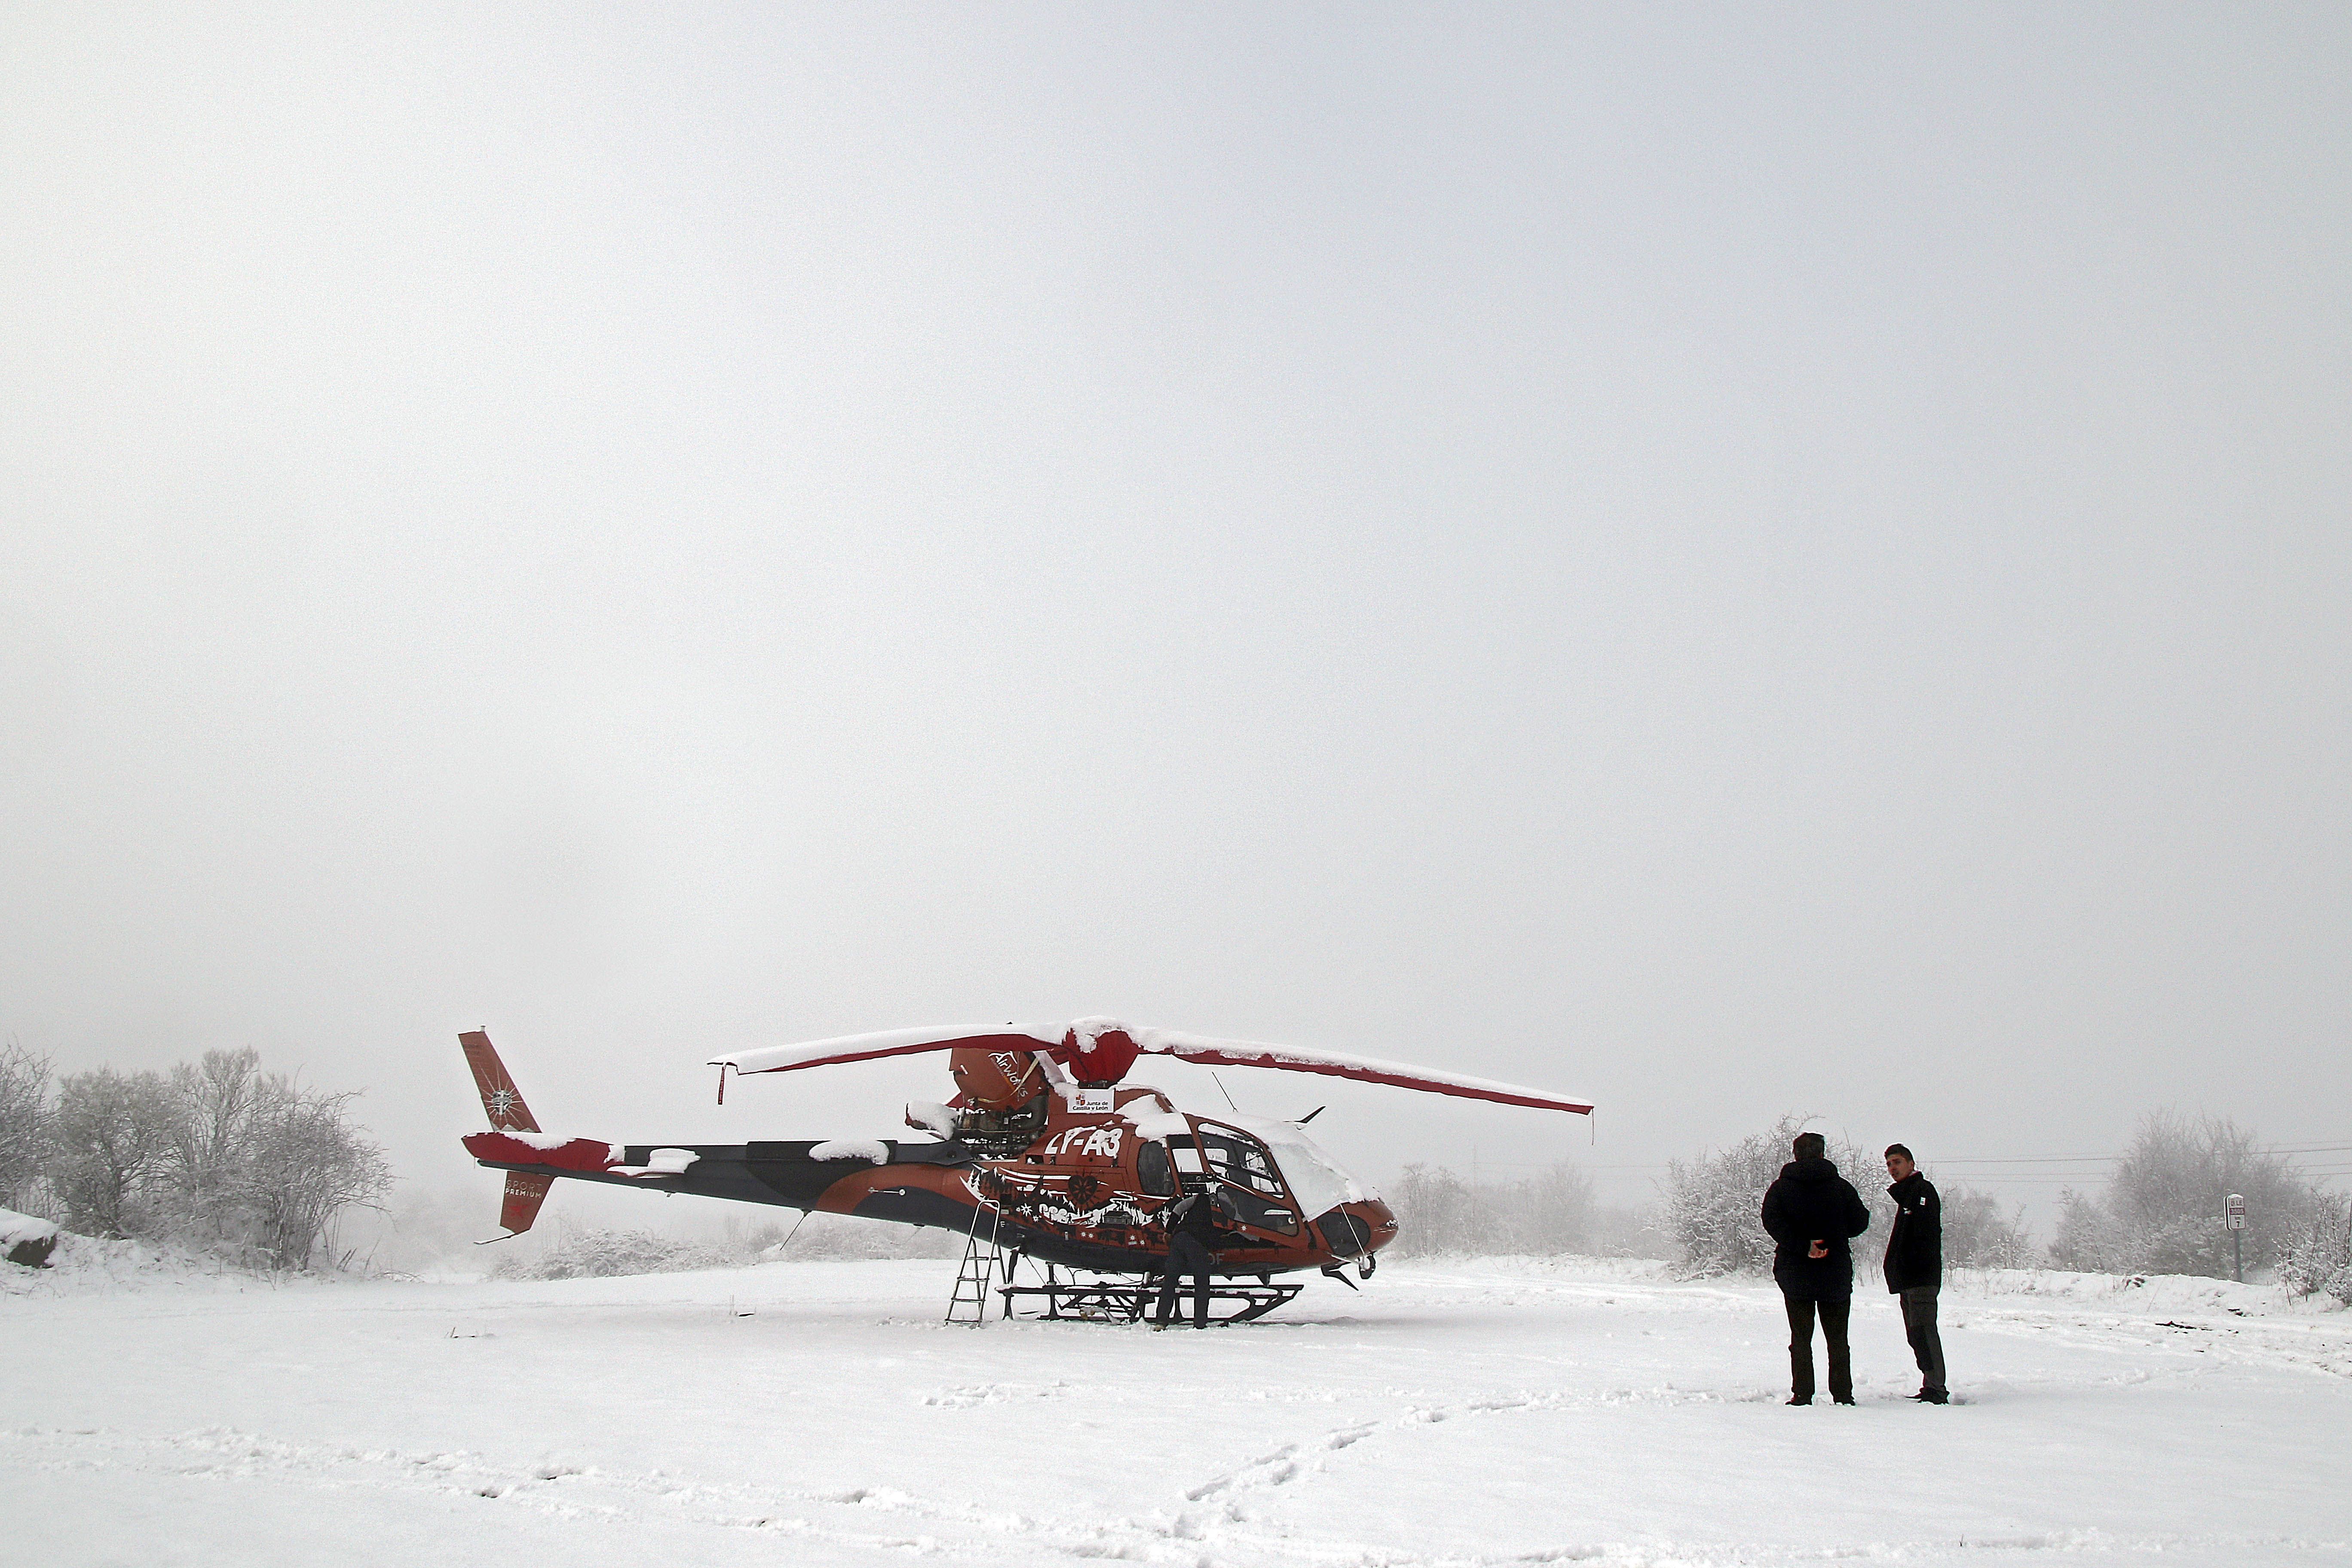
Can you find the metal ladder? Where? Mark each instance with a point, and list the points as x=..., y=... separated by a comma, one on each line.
x=979, y=1269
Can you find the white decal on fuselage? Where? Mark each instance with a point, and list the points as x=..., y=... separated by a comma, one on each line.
x=1098, y=1143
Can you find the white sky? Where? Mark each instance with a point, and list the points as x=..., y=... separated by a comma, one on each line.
x=1727, y=561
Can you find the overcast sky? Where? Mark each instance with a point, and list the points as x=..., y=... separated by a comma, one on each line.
x=1727, y=561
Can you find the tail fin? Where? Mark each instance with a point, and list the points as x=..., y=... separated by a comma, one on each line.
x=520, y=1206
x=507, y=1113
x=500, y=1096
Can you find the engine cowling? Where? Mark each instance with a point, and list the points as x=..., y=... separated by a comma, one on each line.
x=995, y=1080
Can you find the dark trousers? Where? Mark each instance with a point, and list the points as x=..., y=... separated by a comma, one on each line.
x=1185, y=1255
x=1833, y=1311
x=1926, y=1344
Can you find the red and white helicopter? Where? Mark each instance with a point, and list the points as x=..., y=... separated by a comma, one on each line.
x=1044, y=1148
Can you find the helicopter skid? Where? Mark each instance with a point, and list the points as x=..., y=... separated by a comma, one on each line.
x=1126, y=1301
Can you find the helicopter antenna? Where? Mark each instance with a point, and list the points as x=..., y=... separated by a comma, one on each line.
x=1310, y=1116
x=1227, y=1092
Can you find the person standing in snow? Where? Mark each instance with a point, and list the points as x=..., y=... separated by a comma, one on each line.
x=1810, y=1212
x=1195, y=1225
x=1914, y=1266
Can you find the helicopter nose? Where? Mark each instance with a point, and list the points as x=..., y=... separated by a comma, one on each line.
x=1355, y=1228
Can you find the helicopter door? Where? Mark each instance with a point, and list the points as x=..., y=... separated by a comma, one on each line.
x=1246, y=1168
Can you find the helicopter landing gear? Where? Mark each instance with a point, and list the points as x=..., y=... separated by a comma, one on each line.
x=1120, y=1299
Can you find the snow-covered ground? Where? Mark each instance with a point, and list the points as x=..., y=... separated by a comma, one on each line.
x=819, y=1413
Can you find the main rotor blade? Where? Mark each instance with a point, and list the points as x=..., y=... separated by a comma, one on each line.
x=1341, y=1063
x=892, y=1042
x=1050, y=1037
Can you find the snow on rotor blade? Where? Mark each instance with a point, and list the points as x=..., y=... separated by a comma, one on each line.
x=1341, y=1063
x=892, y=1042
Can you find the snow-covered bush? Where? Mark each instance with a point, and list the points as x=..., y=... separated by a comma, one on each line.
x=597, y=1253
x=1713, y=1203
x=2318, y=1256
x=2162, y=1211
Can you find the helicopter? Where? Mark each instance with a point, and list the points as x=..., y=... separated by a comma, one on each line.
x=1044, y=1151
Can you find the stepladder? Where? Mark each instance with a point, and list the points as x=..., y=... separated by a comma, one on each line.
x=981, y=1261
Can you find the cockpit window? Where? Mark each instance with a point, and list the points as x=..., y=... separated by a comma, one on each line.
x=1238, y=1158
x=1152, y=1169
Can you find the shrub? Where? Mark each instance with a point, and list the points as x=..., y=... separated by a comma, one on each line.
x=600, y=1254
x=2319, y=1254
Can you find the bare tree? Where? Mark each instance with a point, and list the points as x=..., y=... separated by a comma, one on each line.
x=112, y=1133
x=1551, y=1213
x=310, y=1163
x=221, y=1096
x=1438, y=1214
x=1979, y=1233
x=23, y=1121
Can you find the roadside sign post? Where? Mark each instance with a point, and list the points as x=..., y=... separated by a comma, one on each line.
x=2234, y=1220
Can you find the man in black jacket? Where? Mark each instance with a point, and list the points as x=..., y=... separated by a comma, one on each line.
x=1914, y=1266
x=1195, y=1227
x=1812, y=1211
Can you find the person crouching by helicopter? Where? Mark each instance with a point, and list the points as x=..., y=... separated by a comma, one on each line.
x=1196, y=1224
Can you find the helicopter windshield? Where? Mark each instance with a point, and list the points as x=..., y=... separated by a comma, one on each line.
x=1316, y=1179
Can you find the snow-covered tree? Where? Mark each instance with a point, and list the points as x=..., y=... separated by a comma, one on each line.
x=23, y=1121
x=2162, y=1211
x=1550, y=1214
x=1979, y=1233
x=112, y=1135
x=217, y=1154
x=263, y=1166
x=308, y=1162
x=1438, y=1213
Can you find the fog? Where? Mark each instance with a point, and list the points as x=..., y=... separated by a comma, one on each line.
x=1722, y=560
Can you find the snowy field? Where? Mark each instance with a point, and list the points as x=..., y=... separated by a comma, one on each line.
x=819, y=1413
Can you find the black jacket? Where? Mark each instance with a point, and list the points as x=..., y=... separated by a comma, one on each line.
x=1915, y=1248
x=1201, y=1216
x=1811, y=1203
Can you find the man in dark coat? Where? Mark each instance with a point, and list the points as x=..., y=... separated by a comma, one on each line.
x=1812, y=1211
x=1195, y=1228
x=1914, y=1266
